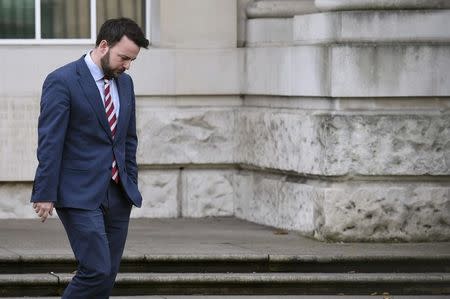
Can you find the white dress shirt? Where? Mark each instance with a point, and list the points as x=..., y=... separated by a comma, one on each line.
x=97, y=74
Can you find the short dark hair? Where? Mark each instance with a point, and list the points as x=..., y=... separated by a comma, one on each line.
x=114, y=29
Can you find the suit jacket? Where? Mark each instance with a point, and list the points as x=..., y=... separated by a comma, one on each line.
x=76, y=148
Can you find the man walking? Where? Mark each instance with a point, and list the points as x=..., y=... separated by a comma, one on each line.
x=87, y=155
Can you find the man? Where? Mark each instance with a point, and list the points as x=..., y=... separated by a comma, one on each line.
x=87, y=155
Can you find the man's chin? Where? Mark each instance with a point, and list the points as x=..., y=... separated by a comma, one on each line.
x=117, y=74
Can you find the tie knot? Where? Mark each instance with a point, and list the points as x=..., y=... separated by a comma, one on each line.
x=106, y=79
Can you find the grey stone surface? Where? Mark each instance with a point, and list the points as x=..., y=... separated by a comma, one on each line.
x=159, y=189
x=287, y=71
x=415, y=144
x=274, y=201
x=279, y=139
x=206, y=237
x=15, y=200
x=270, y=297
x=265, y=32
x=275, y=9
x=184, y=136
x=372, y=26
x=349, y=211
x=207, y=193
x=380, y=4
x=18, y=138
x=389, y=70
x=386, y=211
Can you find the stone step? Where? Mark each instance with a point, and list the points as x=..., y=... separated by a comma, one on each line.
x=240, y=264
x=52, y=284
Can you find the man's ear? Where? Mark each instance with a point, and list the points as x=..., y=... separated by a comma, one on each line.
x=103, y=47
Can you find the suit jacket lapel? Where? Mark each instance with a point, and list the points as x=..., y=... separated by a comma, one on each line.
x=124, y=93
x=90, y=89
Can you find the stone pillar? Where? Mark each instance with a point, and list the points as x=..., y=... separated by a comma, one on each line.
x=348, y=120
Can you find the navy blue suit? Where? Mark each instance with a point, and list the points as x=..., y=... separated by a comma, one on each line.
x=75, y=153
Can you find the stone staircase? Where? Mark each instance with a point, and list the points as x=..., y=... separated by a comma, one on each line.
x=240, y=275
x=224, y=256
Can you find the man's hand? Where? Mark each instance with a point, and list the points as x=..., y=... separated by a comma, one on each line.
x=43, y=209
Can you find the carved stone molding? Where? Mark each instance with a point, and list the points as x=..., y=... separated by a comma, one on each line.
x=280, y=8
x=325, y=5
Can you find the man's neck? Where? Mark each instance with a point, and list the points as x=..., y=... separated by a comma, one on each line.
x=95, y=55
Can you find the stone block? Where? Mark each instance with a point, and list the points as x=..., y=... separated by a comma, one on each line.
x=372, y=26
x=279, y=139
x=185, y=135
x=275, y=201
x=368, y=211
x=393, y=144
x=287, y=71
x=160, y=191
x=324, y=5
x=269, y=32
x=390, y=71
x=277, y=9
x=18, y=138
x=16, y=82
x=15, y=201
x=198, y=24
x=208, y=72
x=207, y=192
x=153, y=72
x=188, y=72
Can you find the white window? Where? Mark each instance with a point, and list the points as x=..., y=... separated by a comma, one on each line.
x=64, y=21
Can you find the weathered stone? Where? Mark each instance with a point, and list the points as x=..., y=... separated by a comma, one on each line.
x=18, y=138
x=348, y=70
x=386, y=211
x=197, y=24
x=372, y=26
x=15, y=82
x=279, y=139
x=159, y=189
x=280, y=9
x=207, y=193
x=386, y=144
x=188, y=72
x=15, y=201
x=380, y=4
x=265, y=32
x=183, y=136
x=389, y=70
x=287, y=71
x=275, y=201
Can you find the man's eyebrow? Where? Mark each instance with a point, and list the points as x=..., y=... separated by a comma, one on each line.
x=126, y=57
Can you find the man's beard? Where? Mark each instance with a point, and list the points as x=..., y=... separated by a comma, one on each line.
x=107, y=70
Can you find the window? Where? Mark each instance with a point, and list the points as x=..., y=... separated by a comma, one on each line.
x=64, y=21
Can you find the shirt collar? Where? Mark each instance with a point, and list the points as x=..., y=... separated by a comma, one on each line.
x=96, y=72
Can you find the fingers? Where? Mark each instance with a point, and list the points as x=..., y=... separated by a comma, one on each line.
x=43, y=210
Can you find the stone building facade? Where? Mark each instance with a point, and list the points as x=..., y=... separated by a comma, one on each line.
x=327, y=117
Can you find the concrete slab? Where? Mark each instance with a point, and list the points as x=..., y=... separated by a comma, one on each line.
x=205, y=237
x=269, y=297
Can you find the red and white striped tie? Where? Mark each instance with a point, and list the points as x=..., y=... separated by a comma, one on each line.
x=112, y=120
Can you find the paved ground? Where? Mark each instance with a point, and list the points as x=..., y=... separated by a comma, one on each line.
x=200, y=237
x=268, y=297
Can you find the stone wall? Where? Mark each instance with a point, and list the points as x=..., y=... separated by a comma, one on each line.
x=337, y=133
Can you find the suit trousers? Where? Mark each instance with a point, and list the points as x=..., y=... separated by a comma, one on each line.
x=97, y=238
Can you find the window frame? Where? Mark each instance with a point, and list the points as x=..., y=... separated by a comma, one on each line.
x=38, y=40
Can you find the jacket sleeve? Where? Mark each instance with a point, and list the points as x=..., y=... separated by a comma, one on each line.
x=53, y=121
x=131, y=142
